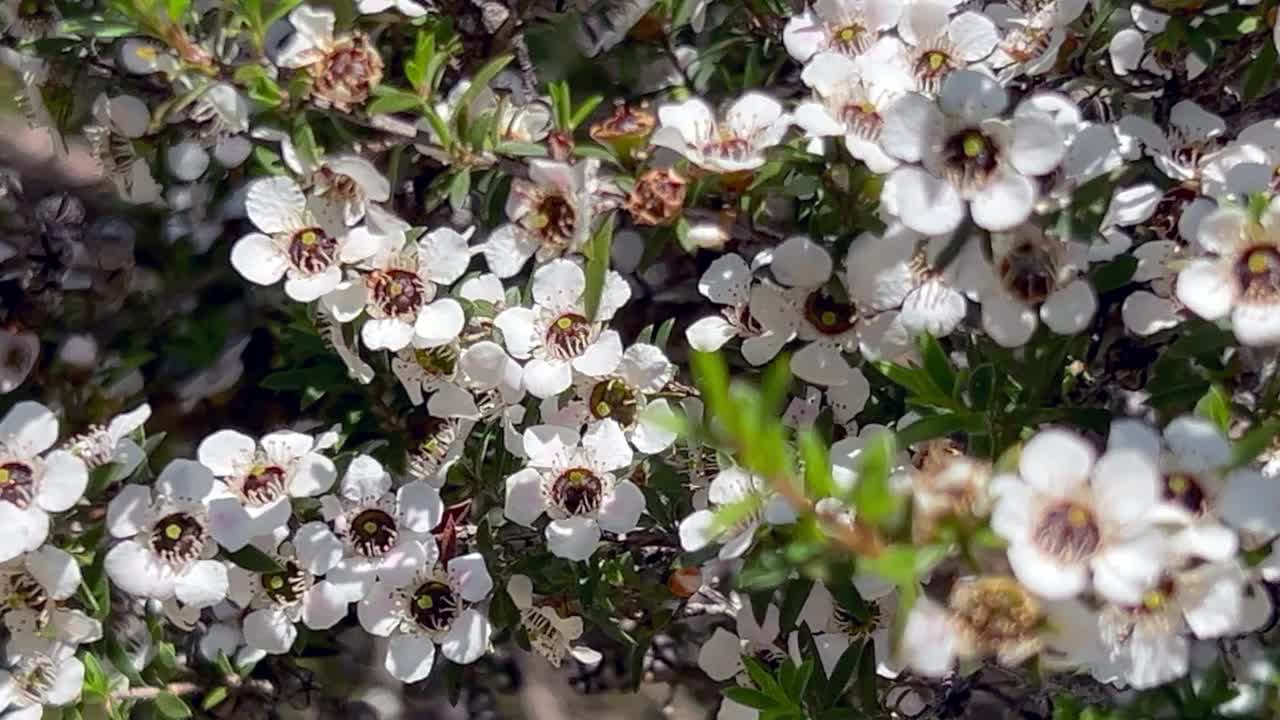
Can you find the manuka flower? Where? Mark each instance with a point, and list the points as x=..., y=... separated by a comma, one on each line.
x=439, y=605
x=302, y=238
x=572, y=480
x=168, y=537
x=343, y=69
x=34, y=590
x=33, y=483
x=747, y=498
x=556, y=336
x=758, y=313
x=278, y=599
x=551, y=635
x=844, y=26
x=752, y=124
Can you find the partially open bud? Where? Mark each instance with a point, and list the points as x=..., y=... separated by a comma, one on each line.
x=995, y=617
x=627, y=130
x=347, y=74
x=658, y=197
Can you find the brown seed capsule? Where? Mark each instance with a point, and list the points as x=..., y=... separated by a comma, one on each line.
x=347, y=74
x=658, y=197
x=684, y=582
x=627, y=130
x=996, y=617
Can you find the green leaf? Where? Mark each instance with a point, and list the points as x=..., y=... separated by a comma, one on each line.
x=1254, y=443
x=750, y=697
x=392, y=100
x=982, y=382
x=459, y=187
x=793, y=600
x=479, y=83
x=1113, y=275
x=584, y=110
x=253, y=559
x=764, y=680
x=927, y=428
x=872, y=496
x=1261, y=72
x=177, y=9
x=95, y=678
x=1216, y=406
x=817, y=464
x=520, y=149
x=842, y=673
x=597, y=252
x=417, y=67
x=937, y=364
x=279, y=10
x=214, y=697
x=171, y=706
x=867, y=678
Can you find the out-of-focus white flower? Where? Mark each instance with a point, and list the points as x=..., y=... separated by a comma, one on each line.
x=752, y=504
x=836, y=627
x=1069, y=514
x=971, y=158
x=19, y=350
x=736, y=143
x=438, y=606
x=571, y=479
x=937, y=43
x=33, y=483
x=827, y=322
x=1034, y=278
x=1238, y=276
x=33, y=593
x=49, y=675
x=408, y=8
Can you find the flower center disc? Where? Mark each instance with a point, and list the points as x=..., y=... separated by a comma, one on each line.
x=285, y=587
x=348, y=72
x=1068, y=532
x=21, y=591
x=828, y=315
x=970, y=159
x=178, y=538
x=434, y=606
x=931, y=67
x=1259, y=273
x=852, y=38
x=1186, y=491
x=612, y=398
x=440, y=362
x=855, y=627
x=373, y=532
x=263, y=484
x=312, y=251
x=568, y=336
x=398, y=293
x=1029, y=272
x=17, y=484
x=555, y=219
x=577, y=491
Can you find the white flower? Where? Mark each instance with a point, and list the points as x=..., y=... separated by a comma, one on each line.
x=898, y=272
x=19, y=350
x=938, y=44
x=756, y=312
x=1180, y=152
x=34, y=589
x=1204, y=501
x=751, y=504
x=118, y=121
x=1238, y=277
x=1036, y=278
x=278, y=600
x=1147, y=642
x=553, y=213
x=836, y=627
x=752, y=124
x=112, y=444
x=1068, y=513
x=50, y=675
x=846, y=26
x=971, y=158
x=852, y=95
x=827, y=321
x=556, y=336
x=572, y=480
x=142, y=57
x=1033, y=34
x=720, y=657
x=264, y=475
x=380, y=536
x=399, y=292
x=623, y=396
x=551, y=636
x=32, y=485
x=304, y=239
x=437, y=606
x=169, y=536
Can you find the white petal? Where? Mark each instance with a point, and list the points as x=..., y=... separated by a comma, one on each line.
x=56, y=571
x=438, y=323
x=1007, y=321
x=275, y=204
x=820, y=364
x=471, y=575
x=323, y=606
x=225, y=451
x=573, y=538
x=1070, y=309
x=721, y=656
x=31, y=426
x=1126, y=50
x=203, y=584
x=128, y=511
x=468, y=637
x=696, y=530
x=317, y=547
x=911, y=126
x=1044, y=576
x=727, y=281
x=973, y=96
x=1123, y=571
x=524, y=502
x=620, y=513
x=1256, y=323
x=420, y=506
x=269, y=630
x=1005, y=202
x=1251, y=502
x=1146, y=314
x=1126, y=485
x=607, y=446
x=1207, y=288
x=1038, y=147
x=410, y=657
x=909, y=188
x=314, y=474
x=1056, y=462
x=312, y=287
x=508, y=249
x=799, y=262
x=710, y=333
x=547, y=378
x=65, y=478
x=601, y=357
x=136, y=570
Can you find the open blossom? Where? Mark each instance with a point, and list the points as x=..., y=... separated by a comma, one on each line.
x=380, y=535
x=735, y=143
x=845, y=26
x=720, y=657
x=553, y=213
x=49, y=675
x=343, y=69
x=34, y=593
x=1035, y=278
x=756, y=312
x=398, y=291
x=263, y=475
x=1069, y=514
x=552, y=635
x=970, y=159
x=836, y=627
x=168, y=537
x=750, y=498
x=573, y=480
x=439, y=605
x=937, y=43
x=827, y=322
x=302, y=239
x=1238, y=277
x=556, y=336
x=276, y=601
x=852, y=95
x=33, y=483
x=118, y=122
